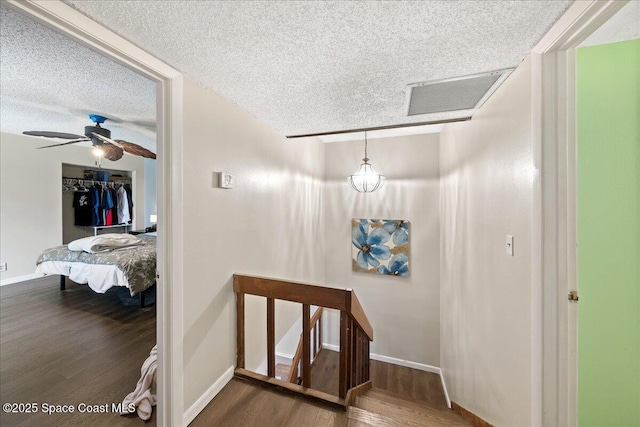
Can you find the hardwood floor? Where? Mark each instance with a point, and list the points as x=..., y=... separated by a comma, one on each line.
x=401, y=397
x=243, y=403
x=71, y=347
x=422, y=387
x=405, y=383
x=325, y=372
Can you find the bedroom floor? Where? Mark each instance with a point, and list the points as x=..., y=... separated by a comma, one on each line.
x=70, y=347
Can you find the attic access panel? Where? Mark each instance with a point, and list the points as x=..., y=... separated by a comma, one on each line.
x=460, y=93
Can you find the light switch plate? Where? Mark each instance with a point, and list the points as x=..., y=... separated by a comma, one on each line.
x=509, y=246
x=225, y=180
x=3, y=266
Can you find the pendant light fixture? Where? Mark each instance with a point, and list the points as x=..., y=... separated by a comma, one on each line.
x=365, y=180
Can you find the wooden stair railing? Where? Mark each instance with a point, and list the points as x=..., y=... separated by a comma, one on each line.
x=356, y=333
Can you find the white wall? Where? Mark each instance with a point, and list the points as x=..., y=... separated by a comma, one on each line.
x=404, y=312
x=269, y=224
x=488, y=298
x=31, y=197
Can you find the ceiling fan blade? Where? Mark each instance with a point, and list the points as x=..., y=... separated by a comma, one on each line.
x=48, y=134
x=107, y=140
x=111, y=152
x=64, y=143
x=136, y=149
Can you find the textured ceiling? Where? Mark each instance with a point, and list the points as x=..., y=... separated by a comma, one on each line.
x=315, y=66
x=48, y=82
x=624, y=25
x=302, y=67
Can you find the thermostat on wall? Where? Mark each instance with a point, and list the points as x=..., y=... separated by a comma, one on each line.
x=225, y=180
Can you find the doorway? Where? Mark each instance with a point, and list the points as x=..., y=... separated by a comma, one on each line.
x=74, y=25
x=561, y=209
x=608, y=232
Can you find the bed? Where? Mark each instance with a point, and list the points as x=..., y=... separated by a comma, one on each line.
x=131, y=267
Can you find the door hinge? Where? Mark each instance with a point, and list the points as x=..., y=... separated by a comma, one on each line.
x=573, y=296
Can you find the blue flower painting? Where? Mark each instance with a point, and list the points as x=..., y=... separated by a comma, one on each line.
x=380, y=246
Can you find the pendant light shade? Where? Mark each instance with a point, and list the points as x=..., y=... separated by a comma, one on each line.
x=366, y=179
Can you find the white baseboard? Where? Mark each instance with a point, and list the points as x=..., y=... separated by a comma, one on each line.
x=18, y=279
x=444, y=388
x=193, y=411
x=401, y=362
x=283, y=358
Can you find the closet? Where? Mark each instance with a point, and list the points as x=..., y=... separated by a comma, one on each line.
x=75, y=181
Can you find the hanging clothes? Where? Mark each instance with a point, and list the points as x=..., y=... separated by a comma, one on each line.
x=114, y=209
x=102, y=204
x=83, y=208
x=127, y=188
x=95, y=204
x=122, y=204
x=106, y=203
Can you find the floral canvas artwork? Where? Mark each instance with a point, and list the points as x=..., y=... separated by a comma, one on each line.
x=380, y=246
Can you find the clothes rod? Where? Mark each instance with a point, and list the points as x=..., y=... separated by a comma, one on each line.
x=66, y=180
x=404, y=125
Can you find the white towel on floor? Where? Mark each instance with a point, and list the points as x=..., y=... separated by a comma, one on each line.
x=144, y=397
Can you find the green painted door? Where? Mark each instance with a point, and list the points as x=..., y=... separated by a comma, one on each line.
x=608, y=95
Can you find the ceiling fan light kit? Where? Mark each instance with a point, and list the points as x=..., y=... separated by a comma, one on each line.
x=100, y=138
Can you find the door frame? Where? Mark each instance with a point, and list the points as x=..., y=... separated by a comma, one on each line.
x=558, y=154
x=78, y=27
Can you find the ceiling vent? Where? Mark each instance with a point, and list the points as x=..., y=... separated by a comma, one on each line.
x=458, y=93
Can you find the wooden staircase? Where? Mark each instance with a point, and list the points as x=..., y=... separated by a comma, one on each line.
x=362, y=392
x=401, y=397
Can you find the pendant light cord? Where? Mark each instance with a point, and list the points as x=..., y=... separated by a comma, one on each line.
x=365, y=146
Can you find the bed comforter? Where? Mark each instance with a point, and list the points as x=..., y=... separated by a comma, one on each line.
x=137, y=263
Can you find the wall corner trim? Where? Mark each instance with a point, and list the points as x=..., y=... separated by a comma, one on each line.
x=401, y=362
x=206, y=397
x=18, y=279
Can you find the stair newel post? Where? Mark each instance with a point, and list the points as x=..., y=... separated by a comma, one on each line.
x=271, y=338
x=306, y=345
x=240, y=330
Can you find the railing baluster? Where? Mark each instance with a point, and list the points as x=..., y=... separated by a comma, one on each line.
x=357, y=355
x=316, y=348
x=350, y=353
x=363, y=357
x=361, y=353
x=320, y=331
x=367, y=361
x=271, y=337
x=240, y=330
x=306, y=343
x=344, y=361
